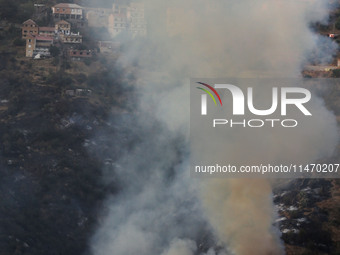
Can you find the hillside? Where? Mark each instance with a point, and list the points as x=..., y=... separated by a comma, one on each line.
x=61, y=126
x=48, y=177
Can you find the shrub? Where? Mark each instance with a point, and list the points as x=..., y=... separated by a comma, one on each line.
x=19, y=42
x=336, y=73
x=88, y=61
x=54, y=51
x=337, y=24
x=80, y=77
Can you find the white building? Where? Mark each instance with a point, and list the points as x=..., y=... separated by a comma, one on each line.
x=136, y=16
x=128, y=18
x=118, y=23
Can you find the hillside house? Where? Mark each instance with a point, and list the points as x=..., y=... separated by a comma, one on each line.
x=29, y=27
x=46, y=31
x=118, y=23
x=72, y=13
x=137, y=19
x=77, y=55
x=127, y=18
x=71, y=38
x=63, y=27
x=97, y=17
x=107, y=46
x=37, y=44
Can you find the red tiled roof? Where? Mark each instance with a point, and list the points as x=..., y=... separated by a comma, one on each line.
x=63, y=22
x=29, y=21
x=66, y=5
x=47, y=29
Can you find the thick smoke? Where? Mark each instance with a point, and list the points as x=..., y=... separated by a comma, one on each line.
x=160, y=209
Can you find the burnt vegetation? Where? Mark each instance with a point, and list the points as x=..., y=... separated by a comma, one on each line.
x=307, y=221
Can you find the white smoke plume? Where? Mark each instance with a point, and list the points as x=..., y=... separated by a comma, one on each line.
x=160, y=209
x=185, y=247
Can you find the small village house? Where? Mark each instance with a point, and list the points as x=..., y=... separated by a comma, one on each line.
x=137, y=19
x=46, y=31
x=97, y=17
x=63, y=27
x=29, y=27
x=37, y=44
x=107, y=46
x=77, y=55
x=71, y=38
x=118, y=23
x=127, y=18
x=72, y=13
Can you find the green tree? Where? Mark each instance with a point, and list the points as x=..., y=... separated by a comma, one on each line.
x=54, y=50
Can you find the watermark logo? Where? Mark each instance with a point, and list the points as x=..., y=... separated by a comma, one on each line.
x=260, y=127
x=204, y=97
x=243, y=101
x=239, y=99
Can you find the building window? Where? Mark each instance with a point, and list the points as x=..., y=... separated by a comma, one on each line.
x=29, y=40
x=57, y=9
